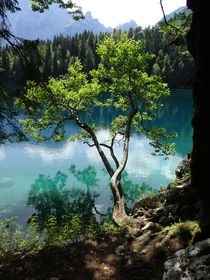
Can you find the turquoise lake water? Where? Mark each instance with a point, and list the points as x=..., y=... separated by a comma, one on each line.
x=41, y=175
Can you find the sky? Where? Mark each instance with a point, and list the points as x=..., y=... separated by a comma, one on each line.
x=114, y=12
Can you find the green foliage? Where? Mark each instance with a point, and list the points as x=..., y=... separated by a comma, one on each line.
x=122, y=75
x=119, y=81
x=17, y=239
x=172, y=63
x=73, y=230
x=42, y=5
x=184, y=231
x=68, y=231
x=146, y=191
x=177, y=25
x=185, y=178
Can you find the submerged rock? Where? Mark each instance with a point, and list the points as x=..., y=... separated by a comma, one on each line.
x=6, y=182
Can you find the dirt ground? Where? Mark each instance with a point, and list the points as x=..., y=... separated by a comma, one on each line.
x=112, y=257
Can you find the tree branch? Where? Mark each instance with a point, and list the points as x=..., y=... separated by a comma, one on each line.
x=165, y=20
x=88, y=129
x=111, y=148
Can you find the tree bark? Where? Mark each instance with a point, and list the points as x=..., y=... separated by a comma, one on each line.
x=119, y=213
x=119, y=200
x=198, y=45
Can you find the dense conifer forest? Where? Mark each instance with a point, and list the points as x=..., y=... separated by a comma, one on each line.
x=52, y=58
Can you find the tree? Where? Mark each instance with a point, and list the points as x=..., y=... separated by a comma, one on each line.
x=198, y=46
x=190, y=29
x=119, y=81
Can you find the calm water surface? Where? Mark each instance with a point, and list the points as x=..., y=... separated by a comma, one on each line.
x=29, y=171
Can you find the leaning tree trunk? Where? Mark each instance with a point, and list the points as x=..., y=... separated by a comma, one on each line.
x=198, y=45
x=118, y=214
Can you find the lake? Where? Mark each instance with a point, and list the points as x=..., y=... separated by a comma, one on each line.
x=41, y=177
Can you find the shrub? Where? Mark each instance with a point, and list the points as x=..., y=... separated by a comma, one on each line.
x=16, y=238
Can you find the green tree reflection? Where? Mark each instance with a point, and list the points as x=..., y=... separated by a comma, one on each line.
x=55, y=197
x=49, y=196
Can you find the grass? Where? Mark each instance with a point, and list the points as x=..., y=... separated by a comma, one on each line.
x=184, y=231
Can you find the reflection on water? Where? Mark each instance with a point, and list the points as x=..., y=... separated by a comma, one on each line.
x=55, y=197
x=48, y=154
x=21, y=164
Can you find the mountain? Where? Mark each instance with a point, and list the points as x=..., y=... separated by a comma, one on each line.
x=92, y=24
x=89, y=24
x=32, y=25
x=126, y=26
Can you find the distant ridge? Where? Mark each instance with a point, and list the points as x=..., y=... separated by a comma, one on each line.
x=93, y=24
x=55, y=21
x=88, y=24
x=32, y=25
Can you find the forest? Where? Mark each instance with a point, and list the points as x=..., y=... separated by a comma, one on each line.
x=53, y=58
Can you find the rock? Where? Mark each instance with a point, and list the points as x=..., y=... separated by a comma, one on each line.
x=144, y=238
x=128, y=260
x=148, y=226
x=182, y=166
x=119, y=250
x=139, y=213
x=190, y=263
x=6, y=182
x=146, y=249
x=160, y=210
x=152, y=227
x=165, y=221
x=106, y=268
x=19, y=269
x=149, y=202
